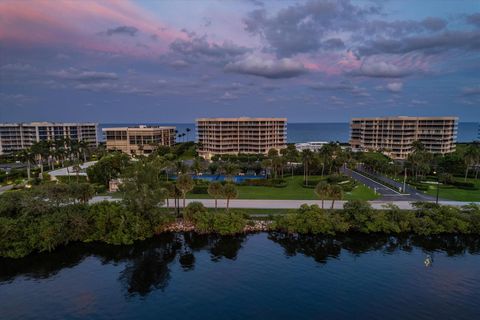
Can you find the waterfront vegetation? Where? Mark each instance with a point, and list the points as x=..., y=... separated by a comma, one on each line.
x=52, y=215
x=43, y=214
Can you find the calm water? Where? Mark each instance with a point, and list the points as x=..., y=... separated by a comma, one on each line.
x=303, y=132
x=260, y=276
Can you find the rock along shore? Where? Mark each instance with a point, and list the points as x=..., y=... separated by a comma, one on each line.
x=185, y=226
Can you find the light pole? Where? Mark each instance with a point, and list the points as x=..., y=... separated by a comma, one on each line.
x=438, y=185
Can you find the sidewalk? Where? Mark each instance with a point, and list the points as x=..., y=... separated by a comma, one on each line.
x=285, y=204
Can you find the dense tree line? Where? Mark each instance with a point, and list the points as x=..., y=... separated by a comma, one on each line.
x=358, y=216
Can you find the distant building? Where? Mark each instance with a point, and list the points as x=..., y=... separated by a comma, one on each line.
x=217, y=136
x=18, y=136
x=312, y=146
x=394, y=135
x=139, y=140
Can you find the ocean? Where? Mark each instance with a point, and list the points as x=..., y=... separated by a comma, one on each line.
x=304, y=132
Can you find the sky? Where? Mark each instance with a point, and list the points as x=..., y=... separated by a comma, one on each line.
x=166, y=61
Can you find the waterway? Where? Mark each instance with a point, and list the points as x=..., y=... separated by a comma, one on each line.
x=257, y=276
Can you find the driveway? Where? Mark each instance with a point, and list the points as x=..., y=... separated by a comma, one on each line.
x=69, y=170
x=387, y=193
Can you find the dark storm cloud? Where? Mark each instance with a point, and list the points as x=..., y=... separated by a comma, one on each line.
x=122, y=30
x=306, y=27
x=272, y=69
x=300, y=28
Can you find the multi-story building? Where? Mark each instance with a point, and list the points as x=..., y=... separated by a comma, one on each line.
x=394, y=135
x=18, y=136
x=139, y=140
x=217, y=136
x=312, y=146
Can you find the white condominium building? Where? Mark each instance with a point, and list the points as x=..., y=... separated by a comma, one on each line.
x=217, y=136
x=139, y=140
x=18, y=136
x=394, y=135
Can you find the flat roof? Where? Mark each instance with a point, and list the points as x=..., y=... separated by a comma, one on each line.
x=242, y=119
x=407, y=118
x=145, y=128
x=45, y=123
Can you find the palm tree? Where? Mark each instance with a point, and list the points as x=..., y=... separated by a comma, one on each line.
x=180, y=167
x=230, y=192
x=471, y=157
x=215, y=190
x=184, y=184
x=307, y=157
x=59, y=150
x=26, y=155
x=322, y=190
x=290, y=154
x=188, y=131
x=336, y=193
x=198, y=165
x=76, y=168
x=75, y=149
x=83, y=147
x=39, y=149
x=230, y=170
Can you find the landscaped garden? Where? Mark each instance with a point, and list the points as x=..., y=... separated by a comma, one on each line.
x=293, y=190
x=455, y=192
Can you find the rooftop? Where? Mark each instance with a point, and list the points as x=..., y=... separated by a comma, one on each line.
x=140, y=127
x=242, y=119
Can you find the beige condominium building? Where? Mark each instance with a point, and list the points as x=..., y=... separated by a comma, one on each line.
x=139, y=140
x=17, y=136
x=217, y=136
x=395, y=135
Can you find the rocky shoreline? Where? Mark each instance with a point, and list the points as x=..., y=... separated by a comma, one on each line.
x=185, y=226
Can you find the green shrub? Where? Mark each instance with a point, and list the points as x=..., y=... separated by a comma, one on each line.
x=200, y=189
x=464, y=185
x=336, y=178
x=277, y=183
x=224, y=223
x=192, y=210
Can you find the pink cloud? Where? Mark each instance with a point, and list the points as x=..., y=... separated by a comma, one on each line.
x=77, y=24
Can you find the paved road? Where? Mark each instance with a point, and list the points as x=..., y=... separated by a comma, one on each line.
x=387, y=193
x=6, y=188
x=285, y=204
x=70, y=171
x=414, y=193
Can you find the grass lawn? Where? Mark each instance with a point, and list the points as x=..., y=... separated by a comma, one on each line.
x=293, y=191
x=453, y=193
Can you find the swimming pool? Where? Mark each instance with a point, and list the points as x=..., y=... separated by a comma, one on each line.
x=221, y=177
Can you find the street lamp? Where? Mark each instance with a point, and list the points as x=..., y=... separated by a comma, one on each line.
x=438, y=185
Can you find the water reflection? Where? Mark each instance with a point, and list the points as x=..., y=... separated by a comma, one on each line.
x=323, y=248
x=146, y=265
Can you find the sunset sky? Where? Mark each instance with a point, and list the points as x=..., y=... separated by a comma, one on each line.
x=172, y=61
